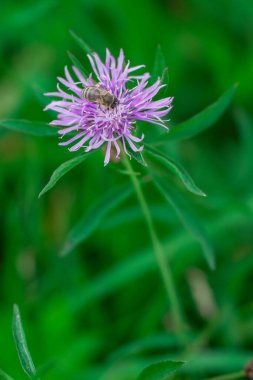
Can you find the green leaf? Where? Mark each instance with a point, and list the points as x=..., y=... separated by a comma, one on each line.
x=177, y=169
x=4, y=376
x=160, y=370
x=88, y=224
x=160, y=67
x=187, y=218
x=34, y=128
x=202, y=120
x=78, y=65
x=139, y=158
x=62, y=170
x=177, y=246
x=83, y=45
x=149, y=343
x=21, y=345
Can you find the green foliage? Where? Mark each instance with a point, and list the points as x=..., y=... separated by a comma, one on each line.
x=160, y=370
x=83, y=45
x=188, y=219
x=139, y=158
x=177, y=169
x=4, y=376
x=61, y=171
x=201, y=121
x=160, y=67
x=78, y=64
x=102, y=312
x=89, y=223
x=29, y=127
x=21, y=345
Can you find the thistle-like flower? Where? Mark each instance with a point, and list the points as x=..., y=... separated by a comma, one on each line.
x=108, y=119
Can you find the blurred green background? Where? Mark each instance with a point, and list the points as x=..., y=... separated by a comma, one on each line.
x=101, y=312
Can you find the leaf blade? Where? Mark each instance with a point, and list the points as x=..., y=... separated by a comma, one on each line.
x=160, y=68
x=34, y=128
x=59, y=172
x=202, y=120
x=87, y=225
x=21, y=345
x=4, y=376
x=78, y=64
x=83, y=45
x=139, y=158
x=175, y=167
x=158, y=371
x=190, y=222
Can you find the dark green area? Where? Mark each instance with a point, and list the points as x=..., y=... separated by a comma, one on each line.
x=101, y=311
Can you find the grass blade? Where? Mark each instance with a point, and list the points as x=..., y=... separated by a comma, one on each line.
x=83, y=45
x=160, y=68
x=35, y=128
x=88, y=224
x=62, y=170
x=4, y=376
x=159, y=64
x=78, y=65
x=177, y=169
x=139, y=158
x=21, y=345
x=160, y=370
x=148, y=343
x=202, y=120
x=135, y=266
x=188, y=219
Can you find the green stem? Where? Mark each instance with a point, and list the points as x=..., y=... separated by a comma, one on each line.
x=229, y=376
x=159, y=253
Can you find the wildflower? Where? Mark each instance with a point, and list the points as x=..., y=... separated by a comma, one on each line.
x=93, y=124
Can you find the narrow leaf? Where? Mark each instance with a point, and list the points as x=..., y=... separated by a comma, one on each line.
x=62, y=170
x=34, y=128
x=21, y=345
x=160, y=370
x=88, y=224
x=83, y=45
x=139, y=158
x=177, y=169
x=134, y=267
x=202, y=120
x=78, y=64
x=4, y=376
x=187, y=218
x=149, y=343
x=160, y=67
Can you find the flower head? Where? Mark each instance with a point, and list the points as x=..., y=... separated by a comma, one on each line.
x=95, y=122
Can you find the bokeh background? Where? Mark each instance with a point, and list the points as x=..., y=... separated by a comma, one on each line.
x=101, y=312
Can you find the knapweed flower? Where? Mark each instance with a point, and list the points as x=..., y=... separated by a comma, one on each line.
x=94, y=124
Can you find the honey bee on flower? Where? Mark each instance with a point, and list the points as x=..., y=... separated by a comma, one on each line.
x=103, y=113
x=98, y=95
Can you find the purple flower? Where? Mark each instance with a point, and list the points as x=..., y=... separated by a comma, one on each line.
x=95, y=125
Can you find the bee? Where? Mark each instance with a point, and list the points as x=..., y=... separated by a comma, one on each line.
x=98, y=95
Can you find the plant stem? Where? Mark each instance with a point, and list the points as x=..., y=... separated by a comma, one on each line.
x=159, y=253
x=229, y=376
